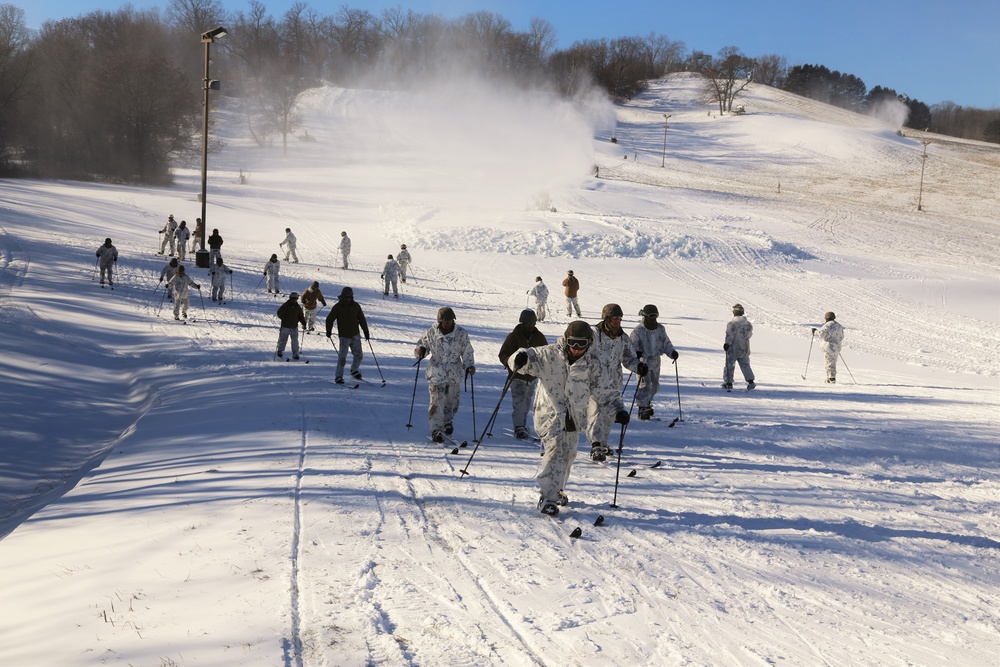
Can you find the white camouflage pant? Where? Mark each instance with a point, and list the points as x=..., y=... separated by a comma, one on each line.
x=572, y=303
x=731, y=360
x=540, y=310
x=443, y=405
x=830, y=354
x=522, y=393
x=557, y=462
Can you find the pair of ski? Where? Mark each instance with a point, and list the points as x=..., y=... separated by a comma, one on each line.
x=450, y=442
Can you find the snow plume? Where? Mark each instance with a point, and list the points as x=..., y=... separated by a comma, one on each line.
x=892, y=112
x=458, y=143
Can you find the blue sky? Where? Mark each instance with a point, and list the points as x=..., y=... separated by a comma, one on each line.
x=931, y=50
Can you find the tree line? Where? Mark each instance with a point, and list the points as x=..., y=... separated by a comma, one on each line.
x=116, y=95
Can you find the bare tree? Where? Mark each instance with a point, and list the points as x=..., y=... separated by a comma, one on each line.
x=727, y=76
x=15, y=68
x=771, y=70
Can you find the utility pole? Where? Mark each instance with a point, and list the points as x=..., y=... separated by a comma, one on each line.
x=663, y=162
x=923, y=165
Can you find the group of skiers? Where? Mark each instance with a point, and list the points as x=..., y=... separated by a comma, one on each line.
x=574, y=383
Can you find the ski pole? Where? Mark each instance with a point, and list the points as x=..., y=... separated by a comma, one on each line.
x=409, y=422
x=621, y=446
x=848, y=369
x=680, y=415
x=809, y=356
x=376, y=361
x=472, y=382
x=489, y=424
x=260, y=282
x=627, y=380
x=201, y=296
x=162, y=297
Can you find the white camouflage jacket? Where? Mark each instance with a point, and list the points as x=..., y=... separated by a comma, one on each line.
x=180, y=284
x=613, y=353
x=564, y=389
x=738, y=334
x=448, y=354
x=404, y=257
x=649, y=344
x=831, y=335
x=219, y=274
x=540, y=292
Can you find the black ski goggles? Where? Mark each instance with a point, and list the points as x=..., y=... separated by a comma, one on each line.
x=578, y=343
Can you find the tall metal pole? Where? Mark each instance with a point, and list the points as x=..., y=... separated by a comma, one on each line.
x=204, y=144
x=663, y=162
x=207, y=84
x=923, y=165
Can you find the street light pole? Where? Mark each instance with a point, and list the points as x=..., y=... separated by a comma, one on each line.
x=923, y=165
x=206, y=38
x=663, y=162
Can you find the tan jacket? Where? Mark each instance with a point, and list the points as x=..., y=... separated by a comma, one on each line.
x=572, y=286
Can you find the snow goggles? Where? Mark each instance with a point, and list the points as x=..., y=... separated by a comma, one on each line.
x=578, y=343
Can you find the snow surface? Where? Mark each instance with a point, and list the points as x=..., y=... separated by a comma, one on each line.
x=173, y=496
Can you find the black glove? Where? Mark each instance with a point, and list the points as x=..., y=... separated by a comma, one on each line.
x=116, y=260
x=520, y=359
x=471, y=370
x=814, y=329
x=161, y=280
x=161, y=231
x=382, y=276
x=621, y=417
x=641, y=370
x=197, y=287
x=329, y=334
x=421, y=352
x=674, y=355
x=725, y=346
x=265, y=273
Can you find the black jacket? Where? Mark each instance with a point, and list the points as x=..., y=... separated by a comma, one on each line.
x=517, y=339
x=290, y=314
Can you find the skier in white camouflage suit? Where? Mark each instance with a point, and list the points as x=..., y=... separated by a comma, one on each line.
x=219, y=272
x=271, y=271
x=345, y=247
x=167, y=272
x=650, y=340
x=541, y=294
x=613, y=349
x=390, y=274
x=737, y=347
x=168, y=235
x=403, y=258
x=180, y=284
x=831, y=338
x=107, y=257
x=569, y=376
x=451, y=357
x=182, y=234
x=289, y=245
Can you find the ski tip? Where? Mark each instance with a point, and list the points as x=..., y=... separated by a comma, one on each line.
x=631, y=474
x=465, y=443
x=599, y=521
x=656, y=465
x=576, y=533
x=454, y=451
